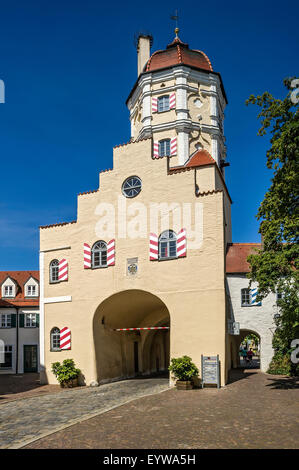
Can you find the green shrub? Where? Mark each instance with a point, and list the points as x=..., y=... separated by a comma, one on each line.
x=183, y=368
x=281, y=364
x=65, y=371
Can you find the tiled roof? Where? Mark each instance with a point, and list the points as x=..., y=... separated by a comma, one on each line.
x=178, y=53
x=200, y=158
x=236, y=256
x=20, y=277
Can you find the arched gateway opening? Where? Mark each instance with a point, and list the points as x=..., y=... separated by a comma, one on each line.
x=120, y=353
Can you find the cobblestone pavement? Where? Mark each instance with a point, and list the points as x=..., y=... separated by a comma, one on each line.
x=255, y=410
x=13, y=386
x=23, y=420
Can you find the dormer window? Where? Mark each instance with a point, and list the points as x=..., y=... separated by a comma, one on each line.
x=8, y=288
x=8, y=291
x=31, y=291
x=163, y=103
x=31, y=287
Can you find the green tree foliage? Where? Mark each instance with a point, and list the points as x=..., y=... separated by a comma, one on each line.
x=275, y=266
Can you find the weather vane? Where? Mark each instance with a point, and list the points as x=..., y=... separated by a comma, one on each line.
x=176, y=19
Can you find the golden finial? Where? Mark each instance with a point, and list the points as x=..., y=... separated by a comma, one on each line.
x=176, y=32
x=175, y=17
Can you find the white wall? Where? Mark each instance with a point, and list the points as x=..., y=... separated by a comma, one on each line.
x=257, y=319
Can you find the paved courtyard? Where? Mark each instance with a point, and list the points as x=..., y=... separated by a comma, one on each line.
x=255, y=410
x=26, y=419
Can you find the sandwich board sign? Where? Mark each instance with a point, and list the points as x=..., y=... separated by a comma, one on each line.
x=210, y=370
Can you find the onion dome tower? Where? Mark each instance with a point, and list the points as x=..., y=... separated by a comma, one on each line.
x=179, y=101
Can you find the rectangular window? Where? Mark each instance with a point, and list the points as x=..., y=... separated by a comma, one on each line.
x=7, y=364
x=164, y=148
x=8, y=291
x=30, y=320
x=31, y=291
x=163, y=103
x=245, y=297
x=5, y=320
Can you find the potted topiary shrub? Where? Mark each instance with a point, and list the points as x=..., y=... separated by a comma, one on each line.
x=66, y=373
x=183, y=370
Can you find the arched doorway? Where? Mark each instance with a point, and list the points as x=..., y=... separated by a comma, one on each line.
x=123, y=354
x=247, y=341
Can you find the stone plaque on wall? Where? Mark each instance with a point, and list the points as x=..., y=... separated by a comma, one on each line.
x=132, y=266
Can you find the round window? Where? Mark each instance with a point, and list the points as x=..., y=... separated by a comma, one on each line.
x=131, y=186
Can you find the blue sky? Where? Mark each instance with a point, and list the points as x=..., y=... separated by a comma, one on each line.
x=67, y=65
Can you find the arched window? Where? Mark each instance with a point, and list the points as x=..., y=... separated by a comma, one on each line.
x=55, y=339
x=164, y=148
x=167, y=245
x=163, y=103
x=54, y=268
x=99, y=255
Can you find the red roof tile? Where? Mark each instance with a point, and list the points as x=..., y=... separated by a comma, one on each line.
x=20, y=277
x=236, y=256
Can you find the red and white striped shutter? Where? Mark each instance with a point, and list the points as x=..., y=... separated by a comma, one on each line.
x=65, y=338
x=63, y=270
x=156, y=149
x=181, y=245
x=173, y=146
x=87, y=256
x=172, y=101
x=154, y=104
x=153, y=247
x=111, y=253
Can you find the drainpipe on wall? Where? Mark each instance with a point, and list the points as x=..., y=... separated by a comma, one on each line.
x=17, y=340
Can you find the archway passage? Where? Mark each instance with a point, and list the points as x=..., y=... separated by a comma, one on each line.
x=123, y=354
x=244, y=343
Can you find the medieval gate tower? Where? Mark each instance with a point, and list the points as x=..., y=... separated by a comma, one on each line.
x=147, y=249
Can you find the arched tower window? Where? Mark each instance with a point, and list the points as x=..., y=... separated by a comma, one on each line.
x=167, y=245
x=54, y=268
x=99, y=254
x=164, y=148
x=55, y=339
x=163, y=103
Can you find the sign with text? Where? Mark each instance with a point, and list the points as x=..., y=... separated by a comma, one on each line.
x=210, y=370
x=233, y=328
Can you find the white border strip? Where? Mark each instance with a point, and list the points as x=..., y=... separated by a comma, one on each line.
x=53, y=300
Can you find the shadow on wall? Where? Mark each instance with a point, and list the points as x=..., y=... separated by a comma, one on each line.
x=125, y=354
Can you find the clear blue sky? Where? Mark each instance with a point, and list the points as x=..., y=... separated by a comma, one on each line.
x=67, y=65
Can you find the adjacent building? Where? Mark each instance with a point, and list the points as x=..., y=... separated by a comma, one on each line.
x=19, y=321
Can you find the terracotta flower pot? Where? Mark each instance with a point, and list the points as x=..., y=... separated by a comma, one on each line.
x=184, y=385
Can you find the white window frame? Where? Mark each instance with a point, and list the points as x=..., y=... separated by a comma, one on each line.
x=243, y=304
x=31, y=290
x=8, y=348
x=7, y=320
x=166, y=238
x=163, y=103
x=52, y=267
x=103, y=254
x=164, y=148
x=10, y=288
x=53, y=348
x=30, y=318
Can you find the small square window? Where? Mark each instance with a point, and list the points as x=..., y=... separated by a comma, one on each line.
x=31, y=290
x=5, y=320
x=30, y=320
